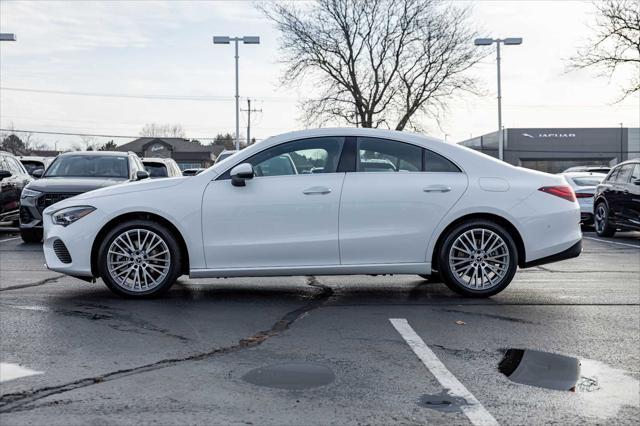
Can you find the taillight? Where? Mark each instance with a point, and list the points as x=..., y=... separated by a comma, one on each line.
x=562, y=191
x=583, y=195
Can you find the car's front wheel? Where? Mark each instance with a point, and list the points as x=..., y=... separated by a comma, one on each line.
x=139, y=258
x=601, y=221
x=478, y=258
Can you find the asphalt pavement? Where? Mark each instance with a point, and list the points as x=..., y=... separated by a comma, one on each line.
x=320, y=350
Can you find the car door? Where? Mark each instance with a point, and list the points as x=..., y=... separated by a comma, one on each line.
x=630, y=198
x=619, y=188
x=394, y=200
x=285, y=216
x=14, y=184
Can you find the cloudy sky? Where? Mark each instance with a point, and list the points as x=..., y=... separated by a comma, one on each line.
x=110, y=67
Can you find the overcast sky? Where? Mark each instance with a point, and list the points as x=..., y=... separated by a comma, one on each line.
x=164, y=49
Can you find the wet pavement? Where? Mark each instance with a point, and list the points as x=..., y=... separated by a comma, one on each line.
x=322, y=350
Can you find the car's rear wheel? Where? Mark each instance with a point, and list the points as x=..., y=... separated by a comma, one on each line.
x=478, y=258
x=601, y=221
x=31, y=235
x=139, y=258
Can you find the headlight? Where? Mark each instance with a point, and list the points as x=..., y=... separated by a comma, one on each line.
x=29, y=193
x=69, y=215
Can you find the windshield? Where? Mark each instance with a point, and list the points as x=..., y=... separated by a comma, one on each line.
x=32, y=166
x=156, y=169
x=224, y=155
x=89, y=166
x=588, y=181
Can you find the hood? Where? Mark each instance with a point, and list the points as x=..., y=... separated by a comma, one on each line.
x=143, y=185
x=72, y=184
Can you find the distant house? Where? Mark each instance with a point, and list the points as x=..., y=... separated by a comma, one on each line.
x=187, y=154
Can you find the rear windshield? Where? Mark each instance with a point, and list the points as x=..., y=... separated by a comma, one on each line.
x=588, y=180
x=156, y=169
x=89, y=166
x=32, y=166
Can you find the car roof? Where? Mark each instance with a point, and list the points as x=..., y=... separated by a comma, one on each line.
x=157, y=160
x=35, y=158
x=631, y=161
x=100, y=153
x=583, y=174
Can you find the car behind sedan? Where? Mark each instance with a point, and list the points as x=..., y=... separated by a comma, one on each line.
x=584, y=185
x=442, y=209
x=617, y=200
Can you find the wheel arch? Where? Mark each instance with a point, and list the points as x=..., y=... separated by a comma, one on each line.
x=505, y=223
x=140, y=215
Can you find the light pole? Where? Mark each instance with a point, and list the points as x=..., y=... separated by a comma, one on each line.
x=245, y=40
x=509, y=42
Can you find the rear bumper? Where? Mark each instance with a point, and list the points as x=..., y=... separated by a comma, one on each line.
x=570, y=253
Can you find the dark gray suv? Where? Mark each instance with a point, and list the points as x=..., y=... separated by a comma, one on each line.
x=71, y=174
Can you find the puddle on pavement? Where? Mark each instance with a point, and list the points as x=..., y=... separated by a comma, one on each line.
x=291, y=376
x=443, y=402
x=545, y=370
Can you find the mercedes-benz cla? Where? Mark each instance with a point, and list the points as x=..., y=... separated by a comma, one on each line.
x=442, y=209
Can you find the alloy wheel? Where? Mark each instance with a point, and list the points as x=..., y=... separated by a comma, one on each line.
x=138, y=260
x=600, y=219
x=479, y=259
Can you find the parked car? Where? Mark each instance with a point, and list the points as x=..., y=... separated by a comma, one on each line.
x=617, y=200
x=584, y=184
x=593, y=169
x=192, y=172
x=33, y=163
x=13, y=179
x=71, y=174
x=225, y=154
x=448, y=210
x=161, y=167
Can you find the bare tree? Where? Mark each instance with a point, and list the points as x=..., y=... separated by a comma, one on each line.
x=376, y=62
x=162, y=130
x=615, y=43
x=87, y=143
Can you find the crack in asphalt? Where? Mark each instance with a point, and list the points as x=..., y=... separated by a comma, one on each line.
x=12, y=402
x=33, y=284
x=493, y=316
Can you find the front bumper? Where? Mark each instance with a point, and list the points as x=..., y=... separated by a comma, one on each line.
x=77, y=239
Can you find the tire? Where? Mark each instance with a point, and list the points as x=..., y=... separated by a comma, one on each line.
x=471, y=240
x=147, y=252
x=601, y=220
x=31, y=235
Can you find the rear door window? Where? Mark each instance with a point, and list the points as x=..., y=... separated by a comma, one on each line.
x=384, y=155
x=624, y=175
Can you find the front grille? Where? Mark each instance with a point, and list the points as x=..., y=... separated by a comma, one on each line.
x=61, y=251
x=47, y=199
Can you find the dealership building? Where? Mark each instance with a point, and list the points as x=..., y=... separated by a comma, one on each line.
x=553, y=150
x=186, y=153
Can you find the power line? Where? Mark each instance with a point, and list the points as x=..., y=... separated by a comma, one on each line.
x=41, y=132
x=140, y=96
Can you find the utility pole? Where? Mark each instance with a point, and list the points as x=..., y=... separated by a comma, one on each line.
x=249, y=111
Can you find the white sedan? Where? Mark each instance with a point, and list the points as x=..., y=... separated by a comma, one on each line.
x=442, y=209
x=584, y=184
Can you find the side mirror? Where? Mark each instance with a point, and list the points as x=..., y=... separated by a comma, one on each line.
x=4, y=174
x=240, y=173
x=37, y=173
x=636, y=182
x=142, y=174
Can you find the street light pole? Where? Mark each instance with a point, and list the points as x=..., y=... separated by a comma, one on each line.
x=498, y=41
x=245, y=40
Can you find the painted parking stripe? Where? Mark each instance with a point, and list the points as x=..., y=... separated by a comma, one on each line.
x=612, y=242
x=474, y=410
x=9, y=239
x=10, y=371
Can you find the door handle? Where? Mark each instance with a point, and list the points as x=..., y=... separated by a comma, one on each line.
x=321, y=190
x=437, y=188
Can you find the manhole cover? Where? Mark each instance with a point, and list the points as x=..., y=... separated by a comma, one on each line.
x=292, y=376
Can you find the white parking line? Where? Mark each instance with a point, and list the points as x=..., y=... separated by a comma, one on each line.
x=10, y=371
x=612, y=242
x=10, y=239
x=474, y=410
